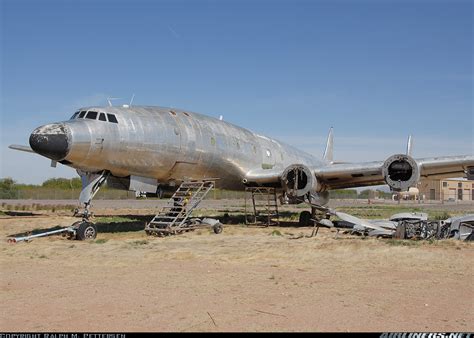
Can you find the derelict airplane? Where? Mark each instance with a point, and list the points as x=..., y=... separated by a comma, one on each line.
x=140, y=148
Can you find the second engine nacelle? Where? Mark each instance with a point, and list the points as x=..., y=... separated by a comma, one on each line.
x=400, y=172
x=297, y=180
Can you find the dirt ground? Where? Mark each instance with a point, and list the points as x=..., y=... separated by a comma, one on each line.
x=244, y=279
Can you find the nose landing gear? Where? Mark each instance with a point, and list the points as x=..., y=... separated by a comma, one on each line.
x=85, y=230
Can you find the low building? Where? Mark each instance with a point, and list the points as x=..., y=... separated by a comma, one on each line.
x=449, y=190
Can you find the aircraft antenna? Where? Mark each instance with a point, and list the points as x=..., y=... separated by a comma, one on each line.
x=109, y=100
x=133, y=96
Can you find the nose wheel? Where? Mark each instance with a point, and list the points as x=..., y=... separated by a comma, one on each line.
x=86, y=231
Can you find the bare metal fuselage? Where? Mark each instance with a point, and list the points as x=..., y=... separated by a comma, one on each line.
x=172, y=145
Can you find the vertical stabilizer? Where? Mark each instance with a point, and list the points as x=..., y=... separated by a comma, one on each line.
x=409, y=146
x=328, y=152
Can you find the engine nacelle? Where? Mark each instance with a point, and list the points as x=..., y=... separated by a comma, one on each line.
x=297, y=180
x=400, y=172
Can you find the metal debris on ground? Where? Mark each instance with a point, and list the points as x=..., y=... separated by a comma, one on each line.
x=412, y=226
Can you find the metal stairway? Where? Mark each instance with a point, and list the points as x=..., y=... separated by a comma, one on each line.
x=264, y=207
x=174, y=217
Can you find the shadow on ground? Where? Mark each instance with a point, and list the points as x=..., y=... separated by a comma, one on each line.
x=19, y=213
x=135, y=223
x=132, y=223
x=239, y=218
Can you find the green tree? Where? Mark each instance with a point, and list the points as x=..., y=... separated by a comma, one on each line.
x=367, y=193
x=8, y=188
x=343, y=193
x=63, y=183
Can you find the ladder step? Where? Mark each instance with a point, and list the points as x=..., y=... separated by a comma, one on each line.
x=174, y=216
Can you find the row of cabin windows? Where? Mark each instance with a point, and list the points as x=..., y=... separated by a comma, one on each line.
x=92, y=115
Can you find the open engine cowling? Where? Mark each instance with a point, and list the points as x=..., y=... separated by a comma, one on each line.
x=297, y=180
x=400, y=172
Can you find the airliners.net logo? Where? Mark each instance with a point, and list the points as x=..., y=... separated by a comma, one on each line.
x=426, y=335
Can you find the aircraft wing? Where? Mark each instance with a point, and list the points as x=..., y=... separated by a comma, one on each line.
x=350, y=175
x=339, y=176
x=21, y=148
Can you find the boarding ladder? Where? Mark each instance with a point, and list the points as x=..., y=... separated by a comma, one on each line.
x=174, y=217
x=263, y=209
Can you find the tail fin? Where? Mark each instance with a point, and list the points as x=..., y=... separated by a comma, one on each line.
x=409, y=146
x=328, y=152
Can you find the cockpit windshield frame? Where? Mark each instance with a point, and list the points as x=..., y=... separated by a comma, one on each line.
x=94, y=115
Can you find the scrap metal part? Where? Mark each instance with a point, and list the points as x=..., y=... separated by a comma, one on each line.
x=461, y=228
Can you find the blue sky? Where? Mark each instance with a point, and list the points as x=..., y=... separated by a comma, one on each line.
x=375, y=70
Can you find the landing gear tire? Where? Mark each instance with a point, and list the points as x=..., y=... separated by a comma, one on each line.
x=305, y=219
x=86, y=231
x=217, y=228
x=159, y=192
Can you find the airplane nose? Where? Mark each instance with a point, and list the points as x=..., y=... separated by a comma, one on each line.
x=52, y=141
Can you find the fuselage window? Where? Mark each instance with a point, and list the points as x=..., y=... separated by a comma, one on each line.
x=112, y=118
x=74, y=116
x=81, y=115
x=102, y=117
x=91, y=115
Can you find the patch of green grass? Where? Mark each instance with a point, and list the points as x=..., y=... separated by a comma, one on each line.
x=139, y=243
x=439, y=216
x=2, y=213
x=403, y=242
x=100, y=241
x=276, y=233
x=42, y=256
x=114, y=219
x=385, y=211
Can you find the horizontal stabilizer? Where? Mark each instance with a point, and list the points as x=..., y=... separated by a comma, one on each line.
x=21, y=148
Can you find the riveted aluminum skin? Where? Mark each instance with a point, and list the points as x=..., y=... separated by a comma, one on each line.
x=172, y=145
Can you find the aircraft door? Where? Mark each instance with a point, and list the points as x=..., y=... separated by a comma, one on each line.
x=188, y=158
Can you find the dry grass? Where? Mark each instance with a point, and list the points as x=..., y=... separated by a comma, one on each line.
x=244, y=279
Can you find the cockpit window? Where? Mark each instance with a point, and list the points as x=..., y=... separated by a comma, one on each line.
x=74, y=116
x=81, y=115
x=102, y=117
x=112, y=118
x=91, y=115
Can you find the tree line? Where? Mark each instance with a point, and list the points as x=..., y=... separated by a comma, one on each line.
x=65, y=188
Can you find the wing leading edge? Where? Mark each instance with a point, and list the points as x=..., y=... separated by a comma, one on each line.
x=351, y=175
x=339, y=176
